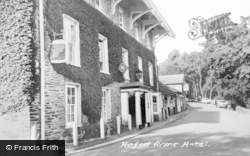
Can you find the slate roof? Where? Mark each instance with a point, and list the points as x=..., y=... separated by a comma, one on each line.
x=165, y=89
x=172, y=79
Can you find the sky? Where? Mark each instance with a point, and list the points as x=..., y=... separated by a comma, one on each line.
x=177, y=13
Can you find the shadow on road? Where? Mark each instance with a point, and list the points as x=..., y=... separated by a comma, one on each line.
x=197, y=116
x=201, y=127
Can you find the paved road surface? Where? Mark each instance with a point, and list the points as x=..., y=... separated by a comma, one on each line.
x=206, y=131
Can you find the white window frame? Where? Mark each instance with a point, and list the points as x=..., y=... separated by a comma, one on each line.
x=140, y=67
x=67, y=20
x=105, y=54
x=121, y=19
x=151, y=73
x=107, y=102
x=148, y=41
x=125, y=60
x=77, y=107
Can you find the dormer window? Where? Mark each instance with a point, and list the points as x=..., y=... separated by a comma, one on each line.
x=140, y=66
x=151, y=74
x=121, y=16
x=103, y=54
x=147, y=41
x=98, y=4
x=136, y=31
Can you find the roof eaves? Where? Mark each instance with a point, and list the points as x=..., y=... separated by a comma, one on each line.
x=156, y=12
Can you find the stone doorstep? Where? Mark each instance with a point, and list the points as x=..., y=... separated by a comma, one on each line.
x=154, y=126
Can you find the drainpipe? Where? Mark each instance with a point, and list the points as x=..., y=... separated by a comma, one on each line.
x=157, y=76
x=42, y=65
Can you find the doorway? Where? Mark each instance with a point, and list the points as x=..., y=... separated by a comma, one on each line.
x=143, y=110
x=132, y=109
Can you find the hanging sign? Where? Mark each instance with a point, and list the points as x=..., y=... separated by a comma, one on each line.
x=123, y=67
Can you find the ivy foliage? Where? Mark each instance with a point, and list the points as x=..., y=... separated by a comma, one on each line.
x=92, y=22
x=16, y=57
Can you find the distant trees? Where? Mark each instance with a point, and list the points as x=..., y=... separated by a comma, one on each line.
x=171, y=65
x=220, y=69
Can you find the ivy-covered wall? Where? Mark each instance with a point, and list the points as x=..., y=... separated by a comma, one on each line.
x=88, y=75
x=18, y=74
x=16, y=56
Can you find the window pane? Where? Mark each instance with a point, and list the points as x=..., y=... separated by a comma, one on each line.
x=72, y=109
x=69, y=91
x=58, y=52
x=68, y=118
x=97, y=2
x=154, y=99
x=101, y=53
x=101, y=66
x=104, y=111
x=68, y=110
x=72, y=117
x=73, y=91
x=104, y=94
x=69, y=100
x=71, y=52
x=73, y=34
x=73, y=100
x=155, y=107
x=120, y=18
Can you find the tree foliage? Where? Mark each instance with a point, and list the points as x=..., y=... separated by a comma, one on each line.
x=220, y=69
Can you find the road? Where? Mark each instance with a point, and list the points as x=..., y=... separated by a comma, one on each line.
x=205, y=131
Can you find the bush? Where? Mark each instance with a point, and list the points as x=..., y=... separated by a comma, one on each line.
x=68, y=135
x=124, y=127
x=91, y=131
x=110, y=127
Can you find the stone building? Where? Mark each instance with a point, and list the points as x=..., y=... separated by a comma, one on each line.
x=65, y=59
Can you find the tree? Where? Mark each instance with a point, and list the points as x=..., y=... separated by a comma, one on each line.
x=229, y=64
x=171, y=65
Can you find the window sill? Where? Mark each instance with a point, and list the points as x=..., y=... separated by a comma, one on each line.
x=75, y=65
x=104, y=72
x=70, y=125
x=63, y=61
x=126, y=80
